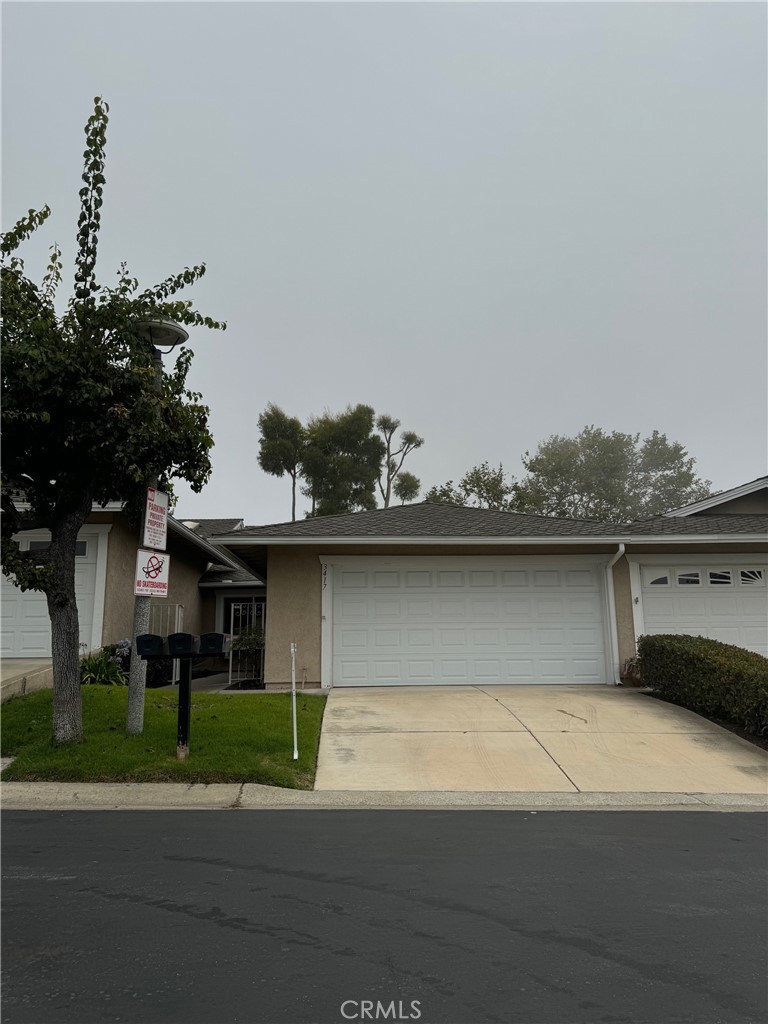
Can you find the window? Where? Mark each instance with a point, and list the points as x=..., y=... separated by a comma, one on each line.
x=751, y=576
x=688, y=579
x=720, y=577
x=660, y=581
x=81, y=547
x=654, y=577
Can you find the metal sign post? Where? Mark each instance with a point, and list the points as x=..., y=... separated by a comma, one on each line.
x=185, y=709
x=293, y=701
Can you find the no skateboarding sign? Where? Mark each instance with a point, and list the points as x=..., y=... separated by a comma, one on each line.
x=151, y=574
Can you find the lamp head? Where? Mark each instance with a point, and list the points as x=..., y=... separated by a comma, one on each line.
x=162, y=332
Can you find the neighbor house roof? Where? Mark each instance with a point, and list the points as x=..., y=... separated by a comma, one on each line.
x=715, y=525
x=456, y=525
x=719, y=499
x=211, y=527
x=425, y=519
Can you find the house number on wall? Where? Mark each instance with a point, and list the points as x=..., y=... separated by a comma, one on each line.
x=325, y=575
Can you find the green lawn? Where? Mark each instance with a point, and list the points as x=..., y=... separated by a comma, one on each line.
x=233, y=738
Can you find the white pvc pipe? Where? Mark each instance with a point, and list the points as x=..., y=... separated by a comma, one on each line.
x=293, y=702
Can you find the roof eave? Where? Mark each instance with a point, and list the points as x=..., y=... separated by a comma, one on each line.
x=687, y=538
x=718, y=499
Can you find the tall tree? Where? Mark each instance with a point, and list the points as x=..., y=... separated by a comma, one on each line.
x=80, y=411
x=342, y=461
x=406, y=487
x=612, y=477
x=281, y=446
x=480, y=487
x=396, y=454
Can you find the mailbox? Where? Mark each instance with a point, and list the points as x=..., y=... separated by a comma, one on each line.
x=183, y=644
x=150, y=645
x=215, y=643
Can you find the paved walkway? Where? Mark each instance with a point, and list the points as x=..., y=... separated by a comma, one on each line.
x=528, y=739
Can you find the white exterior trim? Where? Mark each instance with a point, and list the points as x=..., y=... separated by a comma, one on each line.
x=719, y=499
x=636, y=590
x=326, y=623
x=328, y=562
x=100, y=586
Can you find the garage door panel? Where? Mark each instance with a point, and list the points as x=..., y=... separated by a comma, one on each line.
x=354, y=608
x=514, y=578
x=725, y=604
x=485, y=637
x=518, y=637
x=488, y=671
x=469, y=621
x=387, y=609
x=454, y=670
x=587, y=670
x=386, y=579
x=450, y=579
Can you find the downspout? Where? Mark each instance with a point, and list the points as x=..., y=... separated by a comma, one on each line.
x=614, y=626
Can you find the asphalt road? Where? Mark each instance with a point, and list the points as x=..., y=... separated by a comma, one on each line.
x=298, y=916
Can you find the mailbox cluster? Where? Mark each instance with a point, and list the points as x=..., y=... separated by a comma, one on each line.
x=182, y=645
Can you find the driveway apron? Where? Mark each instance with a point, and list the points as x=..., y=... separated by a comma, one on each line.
x=541, y=739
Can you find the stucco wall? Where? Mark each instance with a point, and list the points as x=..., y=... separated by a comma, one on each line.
x=293, y=614
x=187, y=566
x=748, y=504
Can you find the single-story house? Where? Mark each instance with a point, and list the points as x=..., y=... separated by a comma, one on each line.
x=203, y=584
x=430, y=593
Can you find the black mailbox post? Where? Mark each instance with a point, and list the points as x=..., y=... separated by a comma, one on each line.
x=183, y=646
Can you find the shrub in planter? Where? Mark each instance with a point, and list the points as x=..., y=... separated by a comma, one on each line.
x=713, y=679
x=102, y=668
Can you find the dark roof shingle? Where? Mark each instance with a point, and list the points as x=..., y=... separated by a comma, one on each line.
x=432, y=520
x=710, y=525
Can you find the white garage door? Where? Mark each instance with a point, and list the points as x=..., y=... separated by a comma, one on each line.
x=459, y=620
x=723, y=602
x=26, y=628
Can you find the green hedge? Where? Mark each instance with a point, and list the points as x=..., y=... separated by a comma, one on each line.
x=713, y=679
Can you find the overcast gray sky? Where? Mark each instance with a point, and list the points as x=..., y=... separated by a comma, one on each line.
x=494, y=221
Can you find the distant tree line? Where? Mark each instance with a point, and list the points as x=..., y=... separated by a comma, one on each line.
x=341, y=461
x=612, y=477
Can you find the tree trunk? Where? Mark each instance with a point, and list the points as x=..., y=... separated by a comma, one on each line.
x=293, y=497
x=65, y=628
x=65, y=651
x=137, y=673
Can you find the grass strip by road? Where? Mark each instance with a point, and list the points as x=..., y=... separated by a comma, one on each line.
x=233, y=738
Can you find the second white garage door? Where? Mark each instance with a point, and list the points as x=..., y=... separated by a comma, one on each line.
x=466, y=620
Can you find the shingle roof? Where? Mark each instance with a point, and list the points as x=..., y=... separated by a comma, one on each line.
x=432, y=519
x=210, y=527
x=710, y=525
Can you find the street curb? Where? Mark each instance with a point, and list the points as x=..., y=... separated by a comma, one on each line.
x=67, y=796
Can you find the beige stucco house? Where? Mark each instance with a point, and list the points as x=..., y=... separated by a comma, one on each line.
x=438, y=594
x=203, y=581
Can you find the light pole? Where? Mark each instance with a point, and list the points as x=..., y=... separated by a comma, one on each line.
x=167, y=334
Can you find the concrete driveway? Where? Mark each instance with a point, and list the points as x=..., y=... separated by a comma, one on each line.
x=554, y=739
